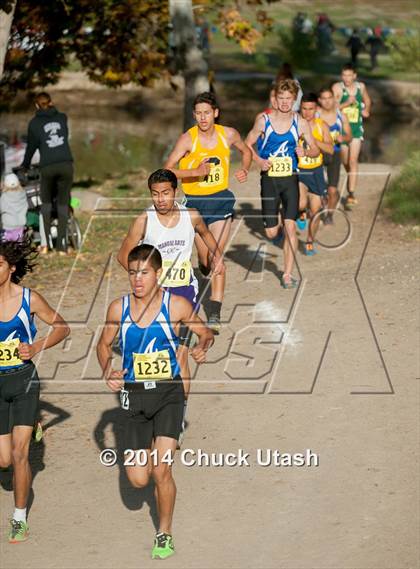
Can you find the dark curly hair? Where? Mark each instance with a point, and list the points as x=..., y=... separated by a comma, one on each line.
x=20, y=254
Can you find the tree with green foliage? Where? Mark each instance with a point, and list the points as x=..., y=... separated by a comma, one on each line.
x=405, y=52
x=117, y=41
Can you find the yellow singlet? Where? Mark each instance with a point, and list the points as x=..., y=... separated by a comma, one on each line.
x=307, y=163
x=218, y=178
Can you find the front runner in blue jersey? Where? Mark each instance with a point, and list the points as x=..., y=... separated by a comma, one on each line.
x=277, y=136
x=151, y=391
x=341, y=133
x=19, y=383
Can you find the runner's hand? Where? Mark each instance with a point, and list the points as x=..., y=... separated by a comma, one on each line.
x=203, y=169
x=26, y=351
x=199, y=352
x=300, y=151
x=351, y=100
x=115, y=379
x=264, y=164
x=365, y=114
x=217, y=265
x=241, y=175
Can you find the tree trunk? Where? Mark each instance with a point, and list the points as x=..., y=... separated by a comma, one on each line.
x=5, y=25
x=192, y=63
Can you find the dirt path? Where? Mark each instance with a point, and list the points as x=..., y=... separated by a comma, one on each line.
x=292, y=370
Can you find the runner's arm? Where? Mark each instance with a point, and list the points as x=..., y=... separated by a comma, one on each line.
x=367, y=101
x=206, y=235
x=338, y=93
x=31, y=147
x=234, y=138
x=60, y=328
x=305, y=131
x=114, y=379
x=252, y=137
x=180, y=311
x=346, y=135
x=327, y=144
x=135, y=234
x=182, y=147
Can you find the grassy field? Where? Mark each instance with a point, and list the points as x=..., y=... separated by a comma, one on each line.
x=402, y=200
x=227, y=55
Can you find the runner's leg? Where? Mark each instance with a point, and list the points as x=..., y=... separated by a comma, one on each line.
x=5, y=450
x=165, y=485
x=290, y=245
x=353, y=164
x=22, y=476
x=315, y=204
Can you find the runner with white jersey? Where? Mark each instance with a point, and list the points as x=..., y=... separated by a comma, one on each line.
x=171, y=228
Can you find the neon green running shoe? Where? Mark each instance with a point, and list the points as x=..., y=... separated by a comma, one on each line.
x=37, y=432
x=164, y=546
x=19, y=531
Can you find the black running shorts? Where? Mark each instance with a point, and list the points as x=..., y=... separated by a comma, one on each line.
x=150, y=413
x=333, y=164
x=279, y=191
x=19, y=397
x=314, y=180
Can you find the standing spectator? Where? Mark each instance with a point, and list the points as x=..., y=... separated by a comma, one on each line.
x=354, y=43
x=48, y=132
x=374, y=44
x=324, y=30
x=13, y=209
x=286, y=72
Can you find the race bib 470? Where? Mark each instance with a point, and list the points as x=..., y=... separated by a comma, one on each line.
x=175, y=273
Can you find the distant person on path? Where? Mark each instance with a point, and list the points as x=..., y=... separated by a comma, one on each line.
x=324, y=30
x=48, y=133
x=355, y=45
x=374, y=44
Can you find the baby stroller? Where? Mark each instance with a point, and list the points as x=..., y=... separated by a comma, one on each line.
x=30, y=180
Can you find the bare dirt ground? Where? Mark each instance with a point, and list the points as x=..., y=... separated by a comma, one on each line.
x=329, y=367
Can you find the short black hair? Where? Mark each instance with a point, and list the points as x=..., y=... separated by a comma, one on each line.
x=325, y=89
x=145, y=252
x=208, y=98
x=348, y=67
x=20, y=254
x=162, y=175
x=309, y=98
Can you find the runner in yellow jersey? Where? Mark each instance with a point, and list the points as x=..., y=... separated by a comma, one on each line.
x=312, y=186
x=203, y=154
